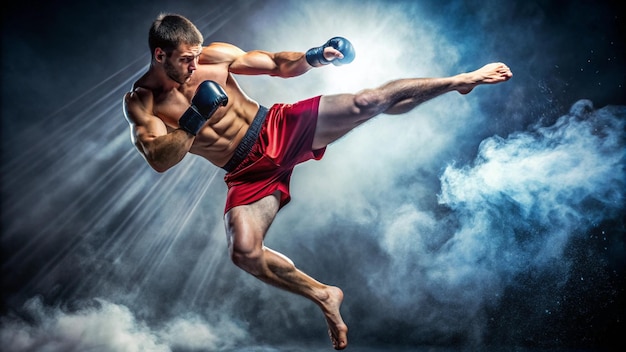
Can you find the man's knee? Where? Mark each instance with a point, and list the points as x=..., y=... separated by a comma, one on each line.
x=370, y=100
x=250, y=260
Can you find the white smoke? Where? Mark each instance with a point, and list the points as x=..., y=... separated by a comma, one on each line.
x=111, y=327
x=517, y=206
x=559, y=179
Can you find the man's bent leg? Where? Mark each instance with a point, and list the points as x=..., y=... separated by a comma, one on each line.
x=246, y=227
x=339, y=114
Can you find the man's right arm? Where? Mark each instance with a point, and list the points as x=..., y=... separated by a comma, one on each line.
x=161, y=149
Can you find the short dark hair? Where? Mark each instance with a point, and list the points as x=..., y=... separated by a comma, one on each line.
x=169, y=31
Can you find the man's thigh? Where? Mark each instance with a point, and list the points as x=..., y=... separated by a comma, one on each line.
x=337, y=116
x=246, y=225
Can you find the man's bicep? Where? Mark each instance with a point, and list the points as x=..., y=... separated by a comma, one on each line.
x=281, y=64
x=255, y=62
x=220, y=53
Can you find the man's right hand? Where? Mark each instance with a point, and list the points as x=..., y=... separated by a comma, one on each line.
x=315, y=56
x=208, y=98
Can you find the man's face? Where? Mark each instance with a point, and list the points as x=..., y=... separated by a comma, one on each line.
x=179, y=66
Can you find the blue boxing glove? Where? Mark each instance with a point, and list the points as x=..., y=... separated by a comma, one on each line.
x=315, y=56
x=208, y=98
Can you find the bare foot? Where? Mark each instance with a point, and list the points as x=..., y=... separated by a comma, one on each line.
x=337, y=329
x=489, y=74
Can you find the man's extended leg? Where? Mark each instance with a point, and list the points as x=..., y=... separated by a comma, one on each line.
x=246, y=227
x=339, y=114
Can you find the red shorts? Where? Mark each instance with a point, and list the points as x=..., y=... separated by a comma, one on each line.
x=284, y=141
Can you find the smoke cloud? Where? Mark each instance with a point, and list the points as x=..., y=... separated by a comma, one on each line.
x=105, y=326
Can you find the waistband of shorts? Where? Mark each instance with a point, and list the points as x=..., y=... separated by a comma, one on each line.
x=248, y=140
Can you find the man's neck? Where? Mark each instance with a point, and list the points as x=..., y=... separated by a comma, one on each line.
x=160, y=80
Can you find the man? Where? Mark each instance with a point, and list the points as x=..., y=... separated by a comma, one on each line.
x=189, y=102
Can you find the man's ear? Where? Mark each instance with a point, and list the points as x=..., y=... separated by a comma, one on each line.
x=159, y=54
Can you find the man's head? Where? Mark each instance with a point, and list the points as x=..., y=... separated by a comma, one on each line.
x=172, y=34
x=169, y=31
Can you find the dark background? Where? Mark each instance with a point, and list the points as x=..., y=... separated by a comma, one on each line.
x=488, y=220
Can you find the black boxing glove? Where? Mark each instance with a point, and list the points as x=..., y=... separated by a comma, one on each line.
x=315, y=56
x=208, y=98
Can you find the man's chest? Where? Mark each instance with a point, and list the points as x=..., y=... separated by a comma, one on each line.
x=170, y=107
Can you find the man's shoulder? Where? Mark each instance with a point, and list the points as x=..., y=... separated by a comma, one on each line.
x=138, y=97
x=143, y=86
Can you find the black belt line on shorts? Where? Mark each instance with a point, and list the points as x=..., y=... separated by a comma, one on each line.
x=248, y=140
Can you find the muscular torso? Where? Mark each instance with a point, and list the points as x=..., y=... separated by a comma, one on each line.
x=221, y=135
x=157, y=102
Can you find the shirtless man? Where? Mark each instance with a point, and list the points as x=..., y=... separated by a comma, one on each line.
x=189, y=102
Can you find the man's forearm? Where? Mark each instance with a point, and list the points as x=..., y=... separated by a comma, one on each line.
x=166, y=151
x=291, y=64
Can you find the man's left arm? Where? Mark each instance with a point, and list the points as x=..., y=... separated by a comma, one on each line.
x=282, y=64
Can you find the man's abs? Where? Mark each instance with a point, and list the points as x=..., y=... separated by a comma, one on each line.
x=219, y=138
